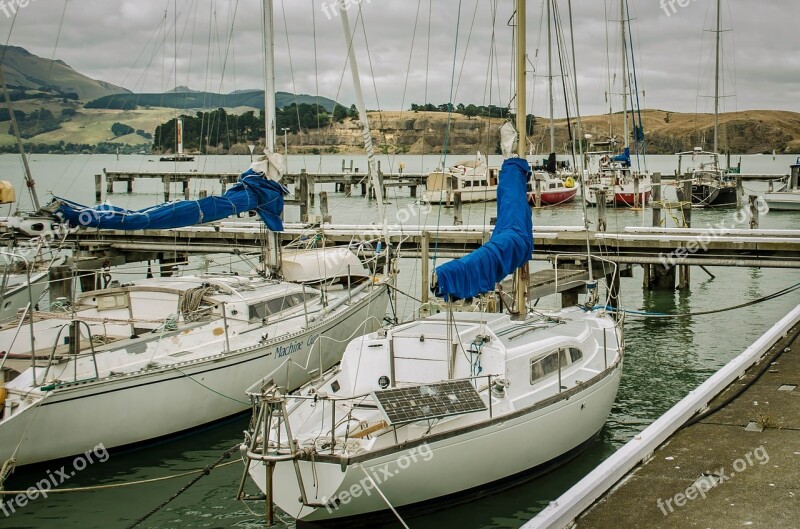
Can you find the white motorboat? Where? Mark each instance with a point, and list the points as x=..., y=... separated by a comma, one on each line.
x=472, y=179
x=158, y=356
x=789, y=198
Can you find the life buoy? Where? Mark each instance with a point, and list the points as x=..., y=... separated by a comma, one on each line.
x=604, y=161
x=569, y=182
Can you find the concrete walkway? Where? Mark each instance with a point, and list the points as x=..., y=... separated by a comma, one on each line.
x=724, y=471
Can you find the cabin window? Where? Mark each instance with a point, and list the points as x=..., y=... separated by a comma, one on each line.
x=553, y=186
x=548, y=364
x=264, y=309
x=467, y=183
x=483, y=182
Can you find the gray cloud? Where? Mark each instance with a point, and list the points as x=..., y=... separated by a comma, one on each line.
x=132, y=44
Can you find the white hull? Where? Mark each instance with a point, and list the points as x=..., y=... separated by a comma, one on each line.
x=783, y=201
x=132, y=408
x=475, y=194
x=529, y=440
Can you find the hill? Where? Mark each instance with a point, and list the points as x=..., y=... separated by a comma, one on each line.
x=27, y=72
x=189, y=99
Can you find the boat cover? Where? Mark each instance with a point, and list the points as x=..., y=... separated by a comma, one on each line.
x=251, y=192
x=625, y=157
x=509, y=247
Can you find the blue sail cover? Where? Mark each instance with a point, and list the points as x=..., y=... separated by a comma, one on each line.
x=251, y=192
x=625, y=157
x=509, y=247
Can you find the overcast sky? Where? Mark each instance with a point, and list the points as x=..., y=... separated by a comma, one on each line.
x=406, y=49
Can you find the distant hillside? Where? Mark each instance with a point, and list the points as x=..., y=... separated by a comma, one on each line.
x=206, y=100
x=27, y=72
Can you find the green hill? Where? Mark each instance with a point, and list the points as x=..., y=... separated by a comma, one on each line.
x=198, y=100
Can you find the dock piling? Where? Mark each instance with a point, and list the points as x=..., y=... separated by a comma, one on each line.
x=457, y=219
x=98, y=188
x=601, y=209
x=752, y=205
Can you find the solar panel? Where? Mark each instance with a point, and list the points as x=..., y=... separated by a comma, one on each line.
x=428, y=401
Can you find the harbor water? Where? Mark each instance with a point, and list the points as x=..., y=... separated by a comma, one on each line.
x=665, y=358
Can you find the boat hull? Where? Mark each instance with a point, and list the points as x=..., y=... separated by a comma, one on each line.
x=448, y=463
x=133, y=408
x=783, y=201
x=478, y=194
x=552, y=198
x=628, y=199
x=709, y=196
x=17, y=297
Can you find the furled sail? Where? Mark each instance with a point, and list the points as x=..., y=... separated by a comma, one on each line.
x=509, y=247
x=252, y=192
x=624, y=158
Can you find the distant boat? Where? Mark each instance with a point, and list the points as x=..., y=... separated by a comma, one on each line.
x=471, y=178
x=177, y=158
x=712, y=186
x=789, y=198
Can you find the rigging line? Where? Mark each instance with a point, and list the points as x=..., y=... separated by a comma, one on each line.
x=93, y=488
x=447, y=126
x=466, y=48
x=763, y=299
x=638, y=144
x=291, y=73
x=316, y=67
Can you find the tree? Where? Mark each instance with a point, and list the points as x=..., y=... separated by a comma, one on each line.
x=470, y=111
x=120, y=129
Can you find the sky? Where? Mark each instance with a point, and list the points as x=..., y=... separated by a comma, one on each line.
x=418, y=51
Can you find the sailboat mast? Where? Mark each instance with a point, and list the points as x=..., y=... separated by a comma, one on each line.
x=269, y=77
x=372, y=165
x=15, y=128
x=716, y=82
x=520, y=80
x=624, y=76
x=521, y=273
x=550, y=78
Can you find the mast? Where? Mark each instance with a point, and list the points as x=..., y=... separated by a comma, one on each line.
x=550, y=78
x=272, y=257
x=269, y=77
x=624, y=76
x=716, y=82
x=15, y=128
x=374, y=176
x=521, y=273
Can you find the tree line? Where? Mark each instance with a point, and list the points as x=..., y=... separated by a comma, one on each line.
x=219, y=129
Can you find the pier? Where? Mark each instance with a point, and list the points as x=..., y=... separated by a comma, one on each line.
x=727, y=452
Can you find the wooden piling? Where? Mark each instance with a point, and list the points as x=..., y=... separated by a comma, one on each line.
x=739, y=192
x=657, y=200
x=753, y=210
x=303, y=198
x=129, y=188
x=166, y=180
x=457, y=218
x=636, y=191
x=186, y=189
x=323, y=206
x=413, y=189
x=203, y=193
x=312, y=185
x=600, y=194
x=98, y=188
x=684, y=271
x=538, y=200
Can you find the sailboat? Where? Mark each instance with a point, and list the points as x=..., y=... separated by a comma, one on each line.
x=152, y=357
x=614, y=172
x=712, y=185
x=428, y=411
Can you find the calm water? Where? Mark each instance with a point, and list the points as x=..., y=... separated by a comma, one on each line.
x=665, y=359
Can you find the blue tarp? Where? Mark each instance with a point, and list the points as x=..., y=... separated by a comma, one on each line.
x=509, y=247
x=625, y=157
x=251, y=192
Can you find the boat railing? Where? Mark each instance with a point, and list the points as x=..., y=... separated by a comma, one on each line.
x=271, y=406
x=75, y=352
x=610, y=294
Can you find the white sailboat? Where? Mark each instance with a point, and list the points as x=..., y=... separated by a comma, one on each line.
x=157, y=356
x=429, y=410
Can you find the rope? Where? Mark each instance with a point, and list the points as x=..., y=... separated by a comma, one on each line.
x=204, y=472
x=94, y=488
x=763, y=299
